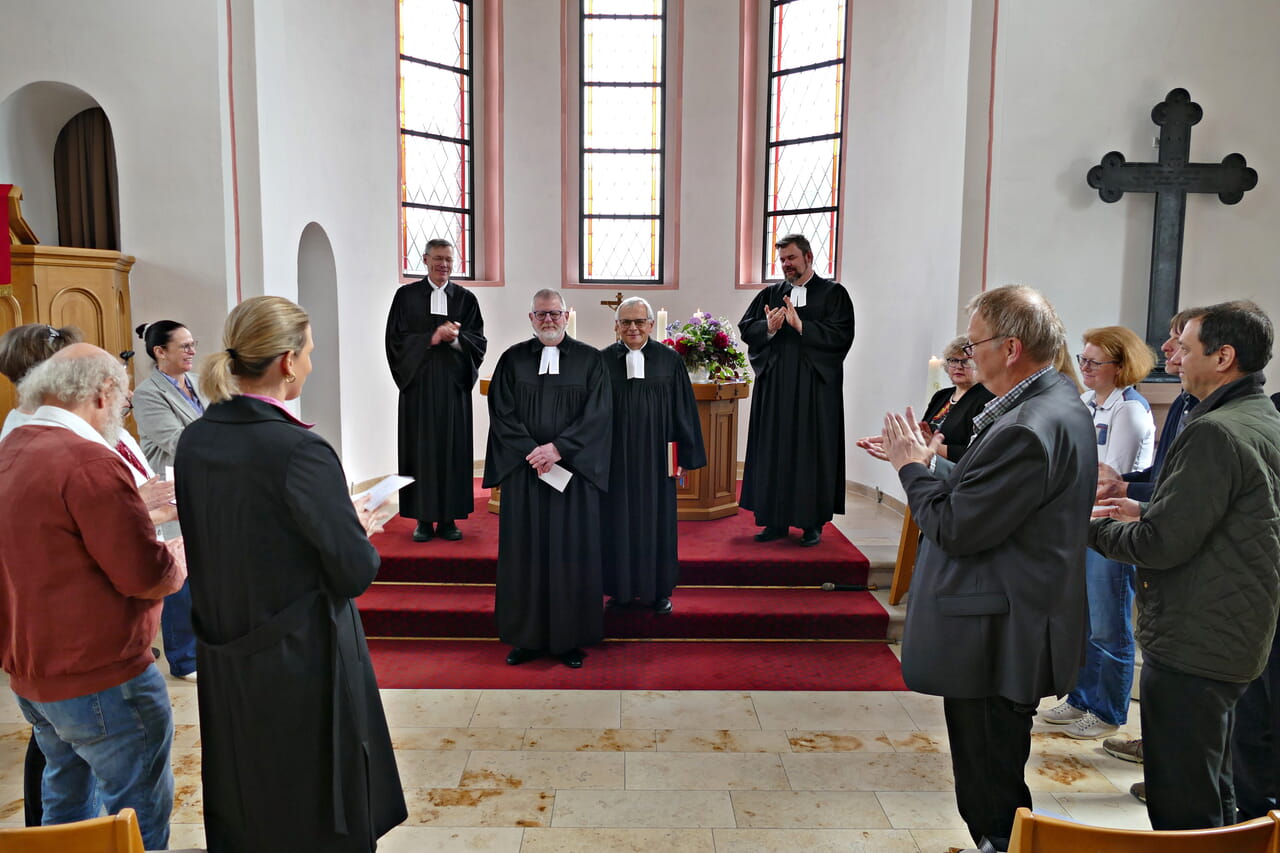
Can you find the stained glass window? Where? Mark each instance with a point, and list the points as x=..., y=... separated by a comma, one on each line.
x=436, y=132
x=806, y=104
x=622, y=131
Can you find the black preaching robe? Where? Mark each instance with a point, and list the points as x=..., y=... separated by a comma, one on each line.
x=435, y=385
x=549, y=556
x=296, y=752
x=640, y=508
x=793, y=475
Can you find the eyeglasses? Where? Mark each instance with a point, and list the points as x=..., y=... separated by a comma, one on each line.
x=959, y=362
x=968, y=348
x=1090, y=364
x=188, y=347
x=542, y=315
x=639, y=324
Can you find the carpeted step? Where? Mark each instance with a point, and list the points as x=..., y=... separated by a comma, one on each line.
x=706, y=665
x=402, y=610
x=720, y=552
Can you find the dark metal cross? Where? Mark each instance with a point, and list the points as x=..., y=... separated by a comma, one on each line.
x=1171, y=179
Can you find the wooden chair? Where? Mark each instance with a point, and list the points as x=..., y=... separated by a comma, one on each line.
x=114, y=834
x=905, y=565
x=1033, y=833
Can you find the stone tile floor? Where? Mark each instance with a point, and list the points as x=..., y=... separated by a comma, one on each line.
x=704, y=771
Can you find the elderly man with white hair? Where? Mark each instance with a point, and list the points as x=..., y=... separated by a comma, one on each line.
x=82, y=578
x=653, y=409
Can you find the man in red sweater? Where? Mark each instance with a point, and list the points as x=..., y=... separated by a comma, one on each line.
x=81, y=582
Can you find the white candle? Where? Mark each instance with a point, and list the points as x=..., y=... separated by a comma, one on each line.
x=662, y=322
x=572, y=328
x=936, y=375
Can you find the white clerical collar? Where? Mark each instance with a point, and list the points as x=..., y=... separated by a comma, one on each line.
x=635, y=363
x=439, y=301
x=59, y=417
x=550, y=361
x=800, y=292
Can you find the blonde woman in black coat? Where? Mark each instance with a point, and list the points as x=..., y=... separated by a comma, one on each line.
x=296, y=753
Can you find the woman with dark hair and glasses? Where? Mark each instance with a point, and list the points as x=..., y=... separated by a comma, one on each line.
x=951, y=410
x=163, y=405
x=1114, y=360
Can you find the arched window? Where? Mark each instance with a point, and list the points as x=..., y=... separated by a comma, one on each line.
x=437, y=142
x=622, y=51
x=791, y=132
x=805, y=129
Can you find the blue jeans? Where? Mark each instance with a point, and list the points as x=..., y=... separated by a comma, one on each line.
x=108, y=749
x=1106, y=678
x=175, y=628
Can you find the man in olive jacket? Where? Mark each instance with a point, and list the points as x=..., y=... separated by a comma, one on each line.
x=1207, y=547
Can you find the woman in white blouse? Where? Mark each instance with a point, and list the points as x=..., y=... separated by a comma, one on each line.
x=1114, y=360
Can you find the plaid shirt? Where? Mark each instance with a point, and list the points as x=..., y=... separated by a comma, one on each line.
x=1000, y=405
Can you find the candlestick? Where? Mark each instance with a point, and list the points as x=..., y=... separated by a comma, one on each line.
x=572, y=328
x=662, y=322
x=936, y=375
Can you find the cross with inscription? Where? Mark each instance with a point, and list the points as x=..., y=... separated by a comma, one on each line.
x=1170, y=179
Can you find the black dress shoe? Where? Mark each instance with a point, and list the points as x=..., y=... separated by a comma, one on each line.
x=812, y=536
x=448, y=531
x=519, y=656
x=771, y=533
x=423, y=532
x=662, y=606
x=573, y=658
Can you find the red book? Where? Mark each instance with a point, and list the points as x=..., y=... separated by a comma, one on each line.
x=5, y=275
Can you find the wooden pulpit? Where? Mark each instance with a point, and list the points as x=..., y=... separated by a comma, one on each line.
x=87, y=288
x=712, y=492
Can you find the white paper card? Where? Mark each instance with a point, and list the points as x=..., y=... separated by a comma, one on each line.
x=383, y=489
x=557, y=478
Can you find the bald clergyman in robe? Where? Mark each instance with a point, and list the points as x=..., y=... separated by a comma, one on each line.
x=549, y=443
x=653, y=406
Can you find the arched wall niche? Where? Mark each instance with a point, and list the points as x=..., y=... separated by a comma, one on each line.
x=30, y=119
x=321, y=400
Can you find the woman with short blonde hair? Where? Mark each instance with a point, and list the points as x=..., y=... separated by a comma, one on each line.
x=1114, y=360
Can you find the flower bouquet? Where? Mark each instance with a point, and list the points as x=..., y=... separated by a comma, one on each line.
x=709, y=347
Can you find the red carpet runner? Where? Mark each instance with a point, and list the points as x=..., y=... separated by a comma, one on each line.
x=743, y=619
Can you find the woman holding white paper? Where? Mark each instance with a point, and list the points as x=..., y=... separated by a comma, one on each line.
x=291, y=723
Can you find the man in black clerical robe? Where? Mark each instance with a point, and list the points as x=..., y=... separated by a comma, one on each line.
x=549, y=416
x=435, y=343
x=798, y=333
x=653, y=406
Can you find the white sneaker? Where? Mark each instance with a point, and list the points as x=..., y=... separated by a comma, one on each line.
x=190, y=676
x=1063, y=714
x=1089, y=727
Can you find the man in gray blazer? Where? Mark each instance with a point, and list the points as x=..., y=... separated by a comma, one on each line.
x=997, y=617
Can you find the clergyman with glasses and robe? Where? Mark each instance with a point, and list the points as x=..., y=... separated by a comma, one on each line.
x=653, y=409
x=549, y=445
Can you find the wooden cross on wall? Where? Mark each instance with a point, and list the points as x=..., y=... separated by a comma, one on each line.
x=1170, y=179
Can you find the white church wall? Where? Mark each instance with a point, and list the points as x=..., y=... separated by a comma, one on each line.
x=1076, y=80
x=902, y=228
x=327, y=135
x=154, y=69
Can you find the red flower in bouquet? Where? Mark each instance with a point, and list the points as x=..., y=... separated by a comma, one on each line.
x=720, y=341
